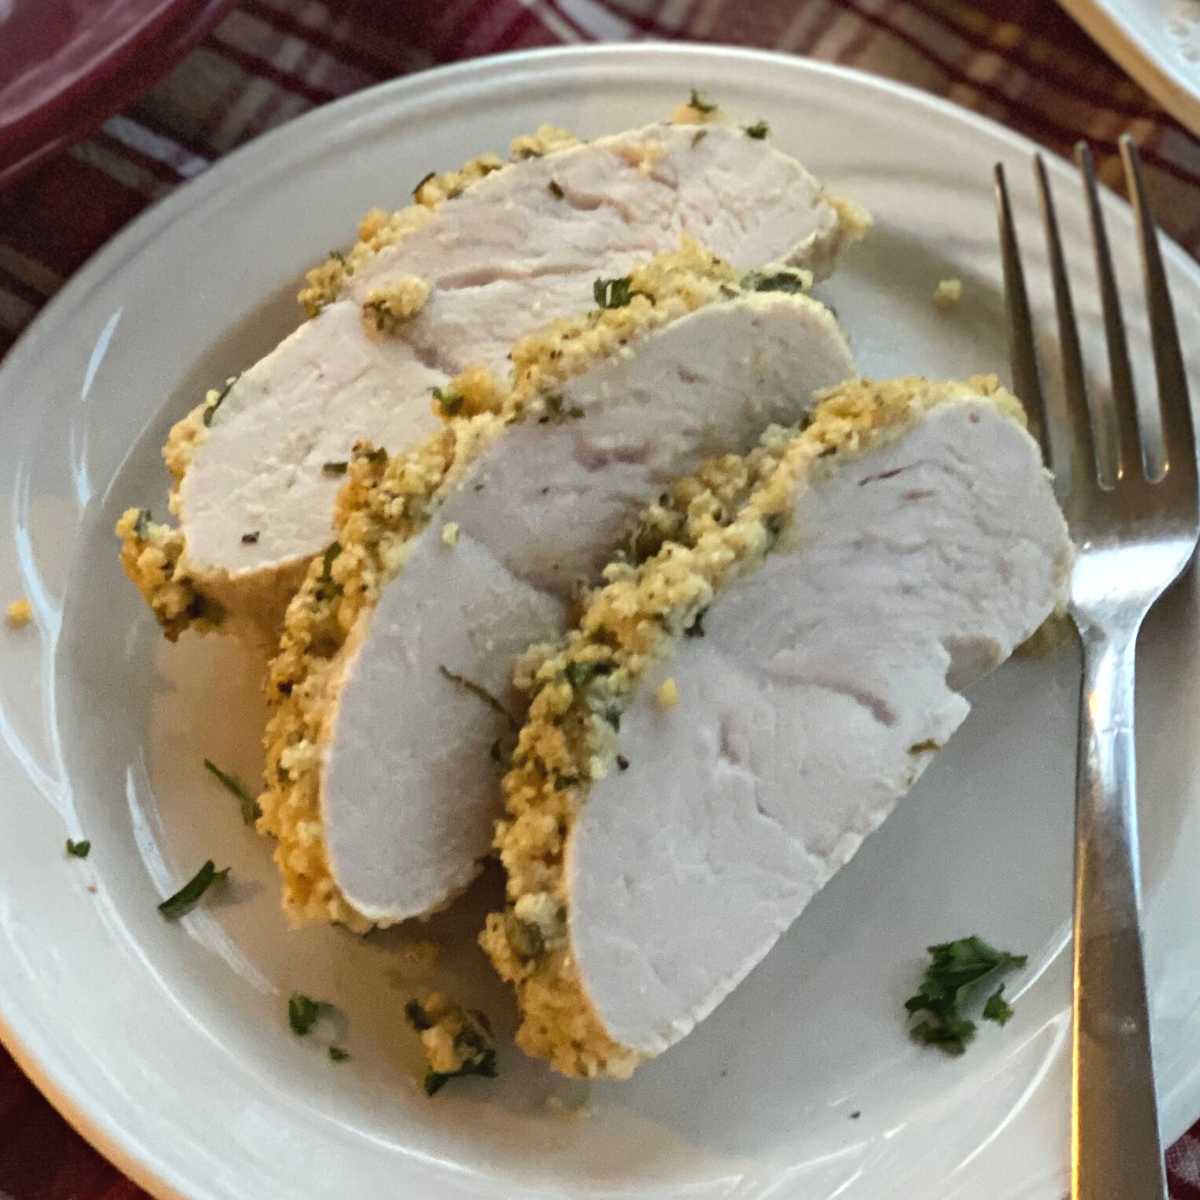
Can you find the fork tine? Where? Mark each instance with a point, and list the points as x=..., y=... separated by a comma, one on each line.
x=1083, y=449
x=1124, y=401
x=1021, y=350
x=1178, y=433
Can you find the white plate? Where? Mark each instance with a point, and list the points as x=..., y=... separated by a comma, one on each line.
x=168, y=1044
x=1156, y=41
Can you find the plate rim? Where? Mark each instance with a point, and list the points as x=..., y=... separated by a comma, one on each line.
x=139, y=1162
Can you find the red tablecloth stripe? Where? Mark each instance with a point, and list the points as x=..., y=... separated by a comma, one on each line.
x=1022, y=62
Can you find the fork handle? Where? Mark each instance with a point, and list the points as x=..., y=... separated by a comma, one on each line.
x=1116, y=1152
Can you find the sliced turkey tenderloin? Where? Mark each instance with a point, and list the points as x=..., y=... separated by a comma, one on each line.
x=428, y=293
x=731, y=719
x=398, y=652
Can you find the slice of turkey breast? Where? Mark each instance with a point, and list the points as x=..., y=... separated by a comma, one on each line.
x=428, y=293
x=730, y=720
x=394, y=676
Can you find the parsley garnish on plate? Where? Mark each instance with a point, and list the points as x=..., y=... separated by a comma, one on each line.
x=556, y=189
x=188, y=896
x=250, y=809
x=473, y=1041
x=701, y=103
x=334, y=468
x=337, y=1054
x=304, y=1012
x=758, y=130
x=79, y=849
x=953, y=979
x=484, y=1065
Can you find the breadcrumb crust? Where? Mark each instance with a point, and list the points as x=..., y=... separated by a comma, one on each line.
x=580, y=686
x=384, y=503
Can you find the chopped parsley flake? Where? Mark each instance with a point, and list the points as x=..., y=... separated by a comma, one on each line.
x=954, y=976
x=779, y=281
x=925, y=747
x=484, y=1065
x=578, y=673
x=414, y=1010
x=304, y=1012
x=327, y=560
x=698, y=137
x=997, y=1008
x=141, y=527
x=79, y=849
x=758, y=130
x=188, y=896
x=416, y=191
x=526, y=938
x=248, y=539
x=250, y=810
x=210, y=410
x=556, y=189
x=615, y=293
x=334, y=468
x=473, y=1041
x=622, y=763
x=701, y=103
x=448, y=400
x=337, y=1054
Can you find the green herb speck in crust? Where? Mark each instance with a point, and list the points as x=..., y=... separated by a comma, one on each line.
x=337, y=1054
x=424, y=180
x=953, y=979
x=328, y=559
x=141, y=526
x=79, y=849
x=188, y=896
x=448, y=400
x=304, y=1012
x=793, y=282
x=578, y=673
x=210, y=410
x=758, y=130
x=615, y=293
x=701, y=103
x=249, y=805
x=334, y=468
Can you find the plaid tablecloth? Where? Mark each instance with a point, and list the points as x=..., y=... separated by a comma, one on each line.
x=1021, y=62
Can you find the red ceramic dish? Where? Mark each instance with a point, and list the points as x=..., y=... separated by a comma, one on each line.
x=65, y=65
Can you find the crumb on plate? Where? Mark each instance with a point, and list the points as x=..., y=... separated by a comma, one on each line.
x=19, y=613
x=948, y=293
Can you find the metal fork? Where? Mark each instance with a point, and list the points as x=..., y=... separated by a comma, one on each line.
x=1135, y=530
